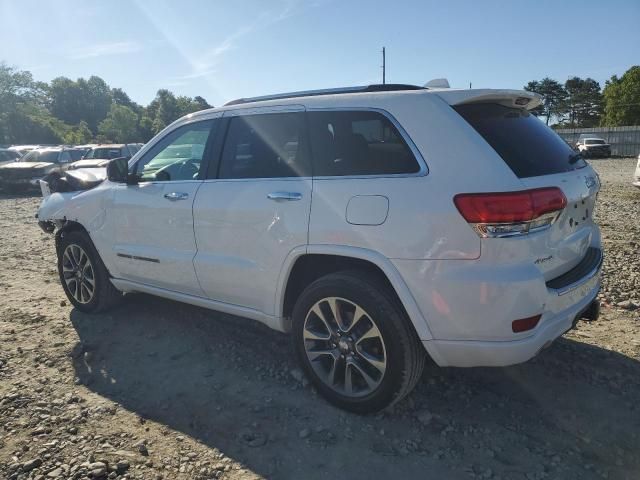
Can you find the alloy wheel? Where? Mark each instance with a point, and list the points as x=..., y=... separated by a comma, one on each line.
x=344, y=347
x=78, y=273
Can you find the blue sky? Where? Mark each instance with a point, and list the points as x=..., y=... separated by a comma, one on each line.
x=228, y=49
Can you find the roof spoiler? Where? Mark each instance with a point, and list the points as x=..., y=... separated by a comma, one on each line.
x=508, y=98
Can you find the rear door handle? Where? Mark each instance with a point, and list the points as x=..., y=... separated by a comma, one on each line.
x=284, y=196
x=173, y=196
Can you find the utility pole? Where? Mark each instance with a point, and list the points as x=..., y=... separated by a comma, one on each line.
x=384, y=67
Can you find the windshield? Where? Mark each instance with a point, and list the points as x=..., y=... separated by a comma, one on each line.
x=8, y=155
x=594, y=141
x=105, y=153
x=525, y=143
x=50, y=156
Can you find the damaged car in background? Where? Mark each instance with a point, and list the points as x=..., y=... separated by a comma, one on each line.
x=29, y=170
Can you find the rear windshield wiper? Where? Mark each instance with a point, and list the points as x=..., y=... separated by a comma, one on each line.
x=575, y=157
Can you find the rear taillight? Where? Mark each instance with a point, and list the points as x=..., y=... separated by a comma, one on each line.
x=506, y=214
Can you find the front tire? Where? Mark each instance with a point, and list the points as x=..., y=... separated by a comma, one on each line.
x=355, y=342
x=83, y=276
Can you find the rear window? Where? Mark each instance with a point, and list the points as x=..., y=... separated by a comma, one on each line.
x=527, y=145
x=105, y=153
x=594, y=142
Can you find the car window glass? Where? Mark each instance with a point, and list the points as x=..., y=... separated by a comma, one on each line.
x=265, y=146
x=65, y=157
x=75, y=154
x=358, y=143
x=525, y=143
x=178, y=156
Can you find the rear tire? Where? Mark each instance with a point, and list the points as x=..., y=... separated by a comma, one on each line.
x=83, y=276
x=356, y=343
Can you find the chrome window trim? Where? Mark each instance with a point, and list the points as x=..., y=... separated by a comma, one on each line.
x=241, y=112
x=292, y=108
x=262, y=179
x=424, y=169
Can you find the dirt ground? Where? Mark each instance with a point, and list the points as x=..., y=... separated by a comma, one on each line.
x=157, y=389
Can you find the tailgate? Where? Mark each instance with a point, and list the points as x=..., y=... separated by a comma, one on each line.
x=562, y=247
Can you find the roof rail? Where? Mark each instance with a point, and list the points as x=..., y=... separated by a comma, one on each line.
x=387, y=87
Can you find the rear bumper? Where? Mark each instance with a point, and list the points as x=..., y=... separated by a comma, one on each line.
x=598, y=152
x=470, y=308
x=501, y=354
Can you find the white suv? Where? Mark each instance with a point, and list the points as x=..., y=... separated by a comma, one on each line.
x=375, y=224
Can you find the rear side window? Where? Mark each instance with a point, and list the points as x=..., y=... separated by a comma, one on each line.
x=527, y=145
x=358, y=143
x=266, y=146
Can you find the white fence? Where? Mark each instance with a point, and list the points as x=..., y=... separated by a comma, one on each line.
x=625, y=141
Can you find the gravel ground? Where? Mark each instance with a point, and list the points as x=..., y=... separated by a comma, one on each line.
x=157, y=389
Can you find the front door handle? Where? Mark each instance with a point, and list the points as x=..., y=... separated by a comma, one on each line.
x=173, y=196
x=284, y=196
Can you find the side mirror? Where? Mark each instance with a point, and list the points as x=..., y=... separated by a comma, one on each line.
x=118, y=170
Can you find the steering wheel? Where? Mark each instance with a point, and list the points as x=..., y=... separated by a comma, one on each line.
x=189, y=169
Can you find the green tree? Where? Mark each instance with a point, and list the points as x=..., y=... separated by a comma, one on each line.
x=120, y=125
x=622, y=99
x=73, y=101
x=202, y=103
x=554, y=98
x=145, y=128
x=23, y=118
x=66, y=98
x=584, y=102
x=79, y=134
x=165, y=108
x=120, y=97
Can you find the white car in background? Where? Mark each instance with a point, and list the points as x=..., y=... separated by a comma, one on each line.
x=636, y=175
x=9, y=156
x=375, y=224
x=593, y=147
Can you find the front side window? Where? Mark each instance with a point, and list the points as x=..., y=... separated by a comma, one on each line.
x=178, y=156
x=358, y=143
x=265, y=146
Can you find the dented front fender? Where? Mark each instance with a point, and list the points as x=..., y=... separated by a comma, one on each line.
x=85, y=207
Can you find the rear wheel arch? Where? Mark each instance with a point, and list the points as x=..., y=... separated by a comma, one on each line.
x=310, y=266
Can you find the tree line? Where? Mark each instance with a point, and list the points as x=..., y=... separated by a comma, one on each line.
x=81, y=111
x=582, y=103
x=86, y=110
